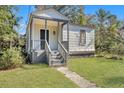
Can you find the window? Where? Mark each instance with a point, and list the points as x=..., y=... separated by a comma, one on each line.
x=82, y=37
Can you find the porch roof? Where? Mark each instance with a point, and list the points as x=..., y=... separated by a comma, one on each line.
x=50, y=14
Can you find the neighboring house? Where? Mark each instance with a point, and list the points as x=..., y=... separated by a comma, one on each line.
x=51, y=38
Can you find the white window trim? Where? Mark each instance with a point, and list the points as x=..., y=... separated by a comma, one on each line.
x=82, y=42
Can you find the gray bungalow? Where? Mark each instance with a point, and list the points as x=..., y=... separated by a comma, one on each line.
x=51, y=38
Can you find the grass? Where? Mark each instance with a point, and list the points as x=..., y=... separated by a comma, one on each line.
x=103, y=72
x=34, y=76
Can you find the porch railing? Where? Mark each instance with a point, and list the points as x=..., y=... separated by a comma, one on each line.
x=39, y=44
x=48, y=52
x=63, y=51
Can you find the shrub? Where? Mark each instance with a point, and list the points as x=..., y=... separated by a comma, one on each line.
x=110, y=56
x=11, y=58
x=115, y=57
x=102, y=54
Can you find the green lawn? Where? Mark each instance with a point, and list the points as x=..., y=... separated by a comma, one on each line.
x=34, y=76
x=103, y=72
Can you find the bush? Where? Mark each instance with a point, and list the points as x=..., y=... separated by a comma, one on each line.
x=115, y=57
x=11, y=58
x=110, y=56
x=102, y=54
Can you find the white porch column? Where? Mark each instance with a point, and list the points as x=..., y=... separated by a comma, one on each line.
x=58, y=32
x=68, y=35
x=33, y=36
x=45, y=29
x=61, y=33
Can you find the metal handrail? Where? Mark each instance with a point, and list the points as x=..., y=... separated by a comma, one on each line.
x=40, y=44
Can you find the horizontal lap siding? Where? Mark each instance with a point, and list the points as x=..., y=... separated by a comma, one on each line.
x=74, y=38
x=65, y=33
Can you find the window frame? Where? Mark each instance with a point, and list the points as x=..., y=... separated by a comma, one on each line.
x=82, y=37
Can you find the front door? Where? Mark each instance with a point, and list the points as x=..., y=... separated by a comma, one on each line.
x=42, y=38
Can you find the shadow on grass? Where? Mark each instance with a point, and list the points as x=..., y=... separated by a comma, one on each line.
x=115, y=81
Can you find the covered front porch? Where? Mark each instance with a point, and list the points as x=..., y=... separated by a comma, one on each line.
x=47, y=38
x=49, y=30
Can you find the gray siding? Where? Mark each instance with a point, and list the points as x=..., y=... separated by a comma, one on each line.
x=74, y=38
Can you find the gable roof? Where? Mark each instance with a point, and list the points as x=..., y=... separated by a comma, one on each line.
x=50, y=14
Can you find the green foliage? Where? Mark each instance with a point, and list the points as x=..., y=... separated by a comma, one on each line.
x=8, y=21
x=73, y=12
x=34, y=76
x=76, y=14
x=115, y=57
x=22, y=41
x=110, y=56
x=11, y=58
x=101, y=71
x=118, y=49
x=108, y=38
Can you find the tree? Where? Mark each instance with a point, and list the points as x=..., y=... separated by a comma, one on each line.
x=10, y=55
x=107, y=31
x=8, y=21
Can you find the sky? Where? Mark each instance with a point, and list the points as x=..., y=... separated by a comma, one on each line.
x=25, y=10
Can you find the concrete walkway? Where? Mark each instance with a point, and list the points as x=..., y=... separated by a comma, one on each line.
x=80, y=81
